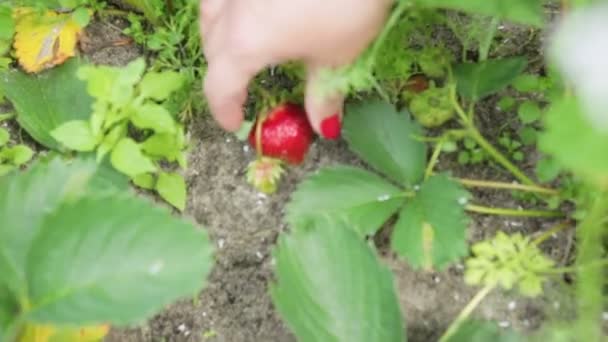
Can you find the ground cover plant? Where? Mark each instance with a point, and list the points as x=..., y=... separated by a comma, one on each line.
x=82, y=144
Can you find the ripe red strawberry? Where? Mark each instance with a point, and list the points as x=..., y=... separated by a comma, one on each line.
x=286, y=134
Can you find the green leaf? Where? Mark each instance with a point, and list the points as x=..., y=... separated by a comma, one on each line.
x=526, y=83
x=145, y=181
x=128, y=158
x=155, y=117
x=527, y=12
x=573, y=141
x=7, y=23
x=110, y=140
x=159, y=85
x=331, y=287
x=75, y=135
x=25, y=199
x=547, y=169
x=115, y=259
x=46, y=100
x=148, y=7
x=243, y=133
x=161, y=145
x=172, y=187
x=111, y=84
x=4, y=136
x=81, y=16
x=5, y=169
x=431, y=230
x=529, y=112
x=478, y=80
x=343, y=193
x=384, y=138
x=506, y=103
x=528, y=135
x=483, y=331
x=18, y=154
x=9, y=309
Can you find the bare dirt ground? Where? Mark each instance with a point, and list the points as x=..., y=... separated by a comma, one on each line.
x=244, y=225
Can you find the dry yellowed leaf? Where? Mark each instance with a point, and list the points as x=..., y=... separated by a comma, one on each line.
x=44, y=39
x=49, y=333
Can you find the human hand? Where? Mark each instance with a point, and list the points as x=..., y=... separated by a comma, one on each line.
x=241, y=37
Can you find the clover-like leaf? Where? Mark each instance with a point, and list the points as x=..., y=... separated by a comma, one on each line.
x=331, y=287
x=508, y=261
x=344, y=193
x=386, y=139
x=431, y=230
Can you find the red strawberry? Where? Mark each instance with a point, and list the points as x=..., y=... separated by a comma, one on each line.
x=286, y=134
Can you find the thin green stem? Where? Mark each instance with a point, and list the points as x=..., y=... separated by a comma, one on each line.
x=466, y=312
x=512, y=212
x=555, y=229
x=434, y=159
x=510, y=186
x=562, y=270
x=499, y=157
x=392, y=21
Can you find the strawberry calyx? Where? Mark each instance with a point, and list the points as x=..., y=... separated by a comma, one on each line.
x=264, y=174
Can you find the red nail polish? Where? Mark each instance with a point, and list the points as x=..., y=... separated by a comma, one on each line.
x=331, y=127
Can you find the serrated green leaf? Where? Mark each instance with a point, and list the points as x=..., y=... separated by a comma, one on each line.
x=527, y=12
x=4, y=136
x=343, y=193
x=529, y=112
x=46, y=100
x=110, y=140
x=25, y=199
x=172, y=187
x=155, y=117
x=128, y=158
x=431, y=230
x=159, y=85
x=331, y=287
x=573, y=141
x=478, y=80
x=75, y=135
x=143, y=259
x=385, y=139
x=483, y=331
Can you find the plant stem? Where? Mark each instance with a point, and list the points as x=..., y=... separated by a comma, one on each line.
x=510, y=186
x=597, y=263
x=466, y=312
x=589, y=285
x=434, y=159
x=392, y=21
x=512, y=212
x=555, y=229
x=499, y=157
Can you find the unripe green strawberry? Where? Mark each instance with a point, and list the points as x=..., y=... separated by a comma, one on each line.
x=432, y=107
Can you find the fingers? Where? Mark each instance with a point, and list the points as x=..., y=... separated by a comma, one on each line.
x=225, y=87
x=324, y=110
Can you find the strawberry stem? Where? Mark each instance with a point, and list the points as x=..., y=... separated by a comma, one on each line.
x=258, y=135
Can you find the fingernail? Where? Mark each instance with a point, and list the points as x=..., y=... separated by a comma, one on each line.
x=331, y=127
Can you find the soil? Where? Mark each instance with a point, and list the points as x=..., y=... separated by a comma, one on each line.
x=244, y=225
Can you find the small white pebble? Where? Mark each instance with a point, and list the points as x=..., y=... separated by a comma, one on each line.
x=245, y=148
x=463, y=200
x=504, y=324
x=605, y=315
x=554, y=236
x=187, y=332
x=204, y=313
x=259, y=202
x=228, y=140
x=221, y=243
x=436, y=279
x=459, y=266
x=262, y=195
x=416, y=187
x=259, y=255
x=512, y=305
x=181, y=327
x=457, y=297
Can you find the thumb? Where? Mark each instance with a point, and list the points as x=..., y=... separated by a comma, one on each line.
x=225, y=87
x=325, y=110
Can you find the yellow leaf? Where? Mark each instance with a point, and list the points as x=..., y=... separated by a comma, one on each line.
x=44, y=40
x=49, y=333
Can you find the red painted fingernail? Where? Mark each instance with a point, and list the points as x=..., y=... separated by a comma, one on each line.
x=331, y=127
